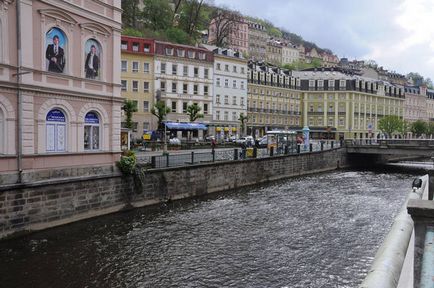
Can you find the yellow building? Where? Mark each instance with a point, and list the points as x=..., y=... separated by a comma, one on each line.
x=336, y=105
x=137, y=66
x=273, y=102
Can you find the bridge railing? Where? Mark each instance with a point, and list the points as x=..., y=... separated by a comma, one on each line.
x=386, y=269
x=390, y=142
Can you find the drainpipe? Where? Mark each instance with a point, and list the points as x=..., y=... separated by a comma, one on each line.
x=19, y=96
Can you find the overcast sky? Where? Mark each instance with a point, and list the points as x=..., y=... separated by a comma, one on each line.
x=397, y=34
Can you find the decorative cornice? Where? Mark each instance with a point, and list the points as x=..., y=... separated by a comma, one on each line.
x=95, y=29
x=58, y=15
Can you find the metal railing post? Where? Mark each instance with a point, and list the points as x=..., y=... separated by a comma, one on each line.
x=192, y=157
x=235, y=154
x=167, y=160
x=255, y=152
x=332, y=144
x=213, y=155
x=310, y=147
x=298, y=148
x=153, y=162
x=322, y=146
x=271, y=151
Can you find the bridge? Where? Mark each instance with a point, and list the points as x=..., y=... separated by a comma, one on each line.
x=408, y=147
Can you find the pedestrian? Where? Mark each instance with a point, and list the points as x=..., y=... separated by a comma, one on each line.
x=213, y=144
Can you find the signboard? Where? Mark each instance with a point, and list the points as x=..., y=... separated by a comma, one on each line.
x=55, y=115
x=91, y=118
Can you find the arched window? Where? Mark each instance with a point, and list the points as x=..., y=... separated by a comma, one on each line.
x=92, y=64
x=2, y=132
x=55, y=53
x=91, y=131
x=56, y=131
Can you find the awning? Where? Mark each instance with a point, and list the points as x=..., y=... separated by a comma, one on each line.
x=226, y=129
x=185, y=126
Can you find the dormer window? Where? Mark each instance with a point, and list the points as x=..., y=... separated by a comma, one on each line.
x=202, y=56
x=180, y=52
x=124, y=45
x=191, y=54
x=169, y=51
x=147, y=48
x=135, y=47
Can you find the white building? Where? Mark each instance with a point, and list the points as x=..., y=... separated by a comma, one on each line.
x=184, y=76
x=230, y=90
x=290, y=54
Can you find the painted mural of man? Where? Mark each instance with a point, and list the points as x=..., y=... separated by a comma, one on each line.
x=92, y=63
x=55, y=55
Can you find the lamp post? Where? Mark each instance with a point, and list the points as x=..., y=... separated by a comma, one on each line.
x=165, y=139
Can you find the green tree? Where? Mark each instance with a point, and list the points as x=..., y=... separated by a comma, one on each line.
x=193, y=112
x=157, y=14
x=130, y=13
x=243, y=118
x=430, y=130
x=405, y=127
x=390, y=124
x=132, y=32
x=419, y=127
x=129, y=107
x=160, y=110
x=177, y=35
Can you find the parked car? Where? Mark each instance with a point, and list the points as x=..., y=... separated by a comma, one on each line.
x=248, y=140
x=263, y=142
x=174, y=141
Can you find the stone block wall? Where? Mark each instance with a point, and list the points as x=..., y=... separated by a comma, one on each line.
x=52, y=202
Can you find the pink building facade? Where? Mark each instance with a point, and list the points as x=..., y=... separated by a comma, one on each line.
x=238, y=39
x=60, y=104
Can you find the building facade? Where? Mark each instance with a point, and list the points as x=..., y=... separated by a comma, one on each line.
x=415, y=105
x=274, y=103
x=258, y=37
x=60, y=103
x=230, y=93
x=337, y=105
x=238, y=38
x=137, y=80
x=290, y=54
x=274, y=52
x=184, y=76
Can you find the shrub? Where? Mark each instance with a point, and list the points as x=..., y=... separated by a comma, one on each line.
x=127, y=162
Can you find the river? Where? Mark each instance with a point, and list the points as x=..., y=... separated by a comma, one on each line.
x=316, y=231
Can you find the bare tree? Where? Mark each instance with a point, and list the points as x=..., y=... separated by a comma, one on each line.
x=224, y=22
x=190, y=15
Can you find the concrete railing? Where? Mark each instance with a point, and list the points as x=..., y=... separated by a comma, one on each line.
x=386, y=268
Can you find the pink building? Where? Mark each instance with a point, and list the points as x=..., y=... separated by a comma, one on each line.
x=60, y=104
x=238, y=38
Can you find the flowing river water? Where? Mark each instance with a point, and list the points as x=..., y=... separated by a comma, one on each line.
x=315, y=231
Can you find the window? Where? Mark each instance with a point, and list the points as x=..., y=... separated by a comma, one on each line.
x=242, y=70
x=55, y=131
x=163, y=68
x=135, y=86
x=124, y=85
x=242, y=102
x=135, y=66
x=218, y=82
x=217, y=99
x=145, y=86
x=174, y=106
x=124, y=66
x=145, y=67
x=235, y=69
x=145, y=106
x=180, y=52
x=234, y=116
x=196, y=72
x=185, y=70
x=169, y=51
x=184, y=107
x=206, y=73
x=135, y=47
x=205, y=108
x=226, y=83
x=219, y=66
x=124, y=45
x=234, y=100
x=242, y=85
x=205, y=90
x=202, y=56
x=195, y=89
x=217, y=115
x=135, y=124
x=226, y=116
x=226, y=99
x=234, y=84
x=145, y=126
x=91, y=131
x=191, y=54
x=227, y=67
x=185, y=88
x=57, y=44
x=174, y=69
x=163, y=86
x=174, y=87
x=147, y=48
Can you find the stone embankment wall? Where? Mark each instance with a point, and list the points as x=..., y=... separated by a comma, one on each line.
x=48, y=203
